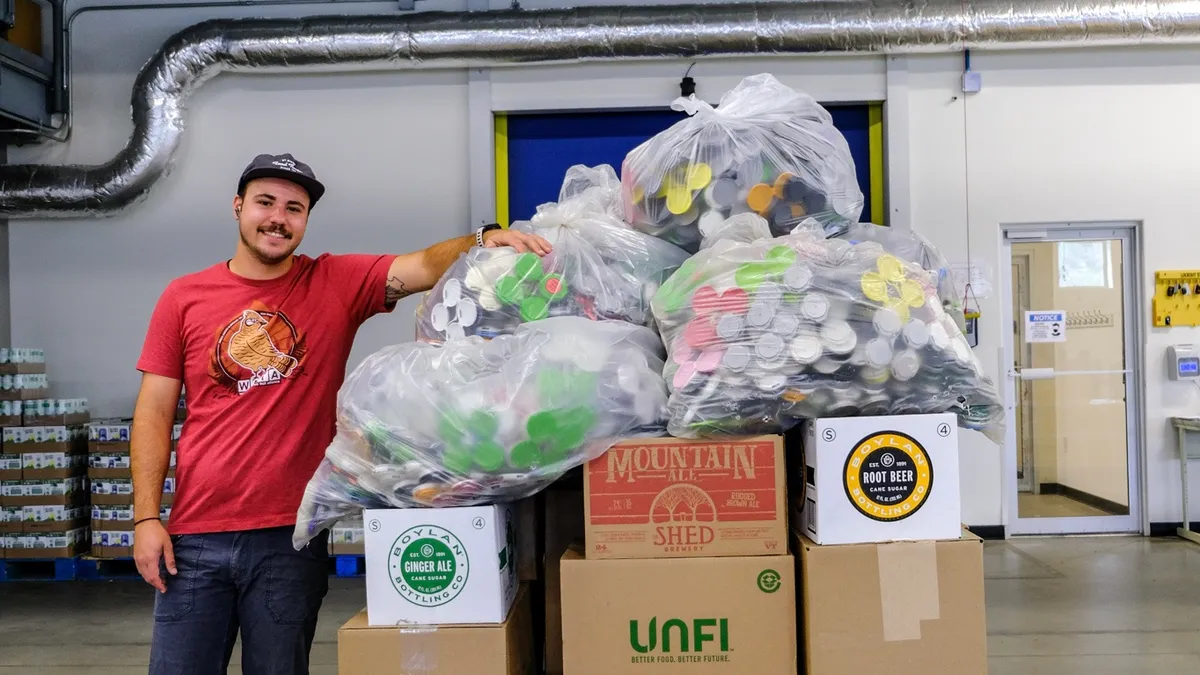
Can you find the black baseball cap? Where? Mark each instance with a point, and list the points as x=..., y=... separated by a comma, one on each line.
x=286, y=167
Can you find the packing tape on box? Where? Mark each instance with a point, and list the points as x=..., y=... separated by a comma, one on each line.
x=418, y=650
x=908, y=588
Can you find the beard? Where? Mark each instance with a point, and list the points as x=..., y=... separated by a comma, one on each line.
x=266, y=257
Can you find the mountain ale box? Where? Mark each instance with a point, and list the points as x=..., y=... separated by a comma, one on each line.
x=734, y=615
x=673, y=498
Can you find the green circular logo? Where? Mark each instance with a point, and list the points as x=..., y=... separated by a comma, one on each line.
x=769, y=581
x=428, y=565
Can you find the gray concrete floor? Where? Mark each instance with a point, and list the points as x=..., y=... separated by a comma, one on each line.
x=1099, y=605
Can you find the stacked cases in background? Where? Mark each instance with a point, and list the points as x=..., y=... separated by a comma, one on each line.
x=346, y=537
x=685, y=562
x=109, y=471
x=888, y=575
x=43, y=456
x=443, y=595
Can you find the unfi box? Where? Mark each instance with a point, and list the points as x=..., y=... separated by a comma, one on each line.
x=673, y=498
x=440, y=566
x=883, y=478
x=730, y=615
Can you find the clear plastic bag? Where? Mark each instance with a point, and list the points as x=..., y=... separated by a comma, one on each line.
x=765, y=149
x=600, y=268
x=763, y=332
x=475, y=421
x=914, y=248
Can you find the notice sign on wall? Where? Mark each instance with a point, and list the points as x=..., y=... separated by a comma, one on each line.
x=1048, y=326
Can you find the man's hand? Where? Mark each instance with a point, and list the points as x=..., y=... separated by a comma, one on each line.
x=151, y=543
x=519, y=240
x=418, y=272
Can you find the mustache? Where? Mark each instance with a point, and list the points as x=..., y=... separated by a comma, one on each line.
x=276, y=230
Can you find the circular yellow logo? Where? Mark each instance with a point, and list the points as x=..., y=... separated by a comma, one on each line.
x=888, y=476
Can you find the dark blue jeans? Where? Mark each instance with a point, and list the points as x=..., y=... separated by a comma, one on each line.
x=250, y=581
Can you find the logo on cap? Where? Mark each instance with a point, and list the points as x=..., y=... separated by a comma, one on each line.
x=287, y=164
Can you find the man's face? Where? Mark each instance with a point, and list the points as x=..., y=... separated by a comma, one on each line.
x=272, y=218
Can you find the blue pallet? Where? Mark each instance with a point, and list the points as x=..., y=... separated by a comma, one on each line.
x=349, y=565
x=39, y=569
x=95, y=569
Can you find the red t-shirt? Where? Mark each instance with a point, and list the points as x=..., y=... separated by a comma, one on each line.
x=261, y=363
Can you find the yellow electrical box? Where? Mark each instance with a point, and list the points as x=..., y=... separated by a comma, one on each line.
x=1176, y=298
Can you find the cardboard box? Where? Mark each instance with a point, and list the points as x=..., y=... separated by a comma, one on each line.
x=488, y=649
x=346, y=537
x=887, y=478
x=734, y=615
x=38, y=465
x=899, y=607
x=673, y=498
x=44, y=492
x=109, y=465
x=440, y=566
x=564, y=526
x=37, y=519
x=108, y=544
x=10, y=467
x=12, y=519
x=112, y=491
x=527, y=516
x=106, y=436
x=48, y=545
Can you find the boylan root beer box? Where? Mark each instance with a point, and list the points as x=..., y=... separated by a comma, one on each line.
x=454, y=565
x=675, y=498
x=884, y=478
x=730, y=615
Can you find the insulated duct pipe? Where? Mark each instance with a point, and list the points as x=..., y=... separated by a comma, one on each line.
x=440, y=39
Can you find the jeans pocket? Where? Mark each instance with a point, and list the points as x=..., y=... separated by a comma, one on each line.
x=180, y=597
x=296, y=585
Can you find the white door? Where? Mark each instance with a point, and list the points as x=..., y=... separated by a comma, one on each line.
x=1071, y=381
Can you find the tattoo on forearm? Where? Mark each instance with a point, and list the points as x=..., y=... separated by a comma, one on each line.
x=395, y=290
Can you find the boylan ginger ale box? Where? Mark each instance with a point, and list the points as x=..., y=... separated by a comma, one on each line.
x=677, y=498
x=454, y=565
x=728, y=615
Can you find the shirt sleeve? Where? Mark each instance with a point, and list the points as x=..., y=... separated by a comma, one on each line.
x=162, y=351
x=361, y=280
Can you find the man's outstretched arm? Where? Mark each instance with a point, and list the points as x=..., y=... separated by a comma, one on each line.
x=417, y=272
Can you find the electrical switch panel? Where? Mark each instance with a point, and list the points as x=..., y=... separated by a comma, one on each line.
x=1176, y=298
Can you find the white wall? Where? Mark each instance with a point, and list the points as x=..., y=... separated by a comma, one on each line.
x=1051, y=137
x=1065, y=137
x=383, y=144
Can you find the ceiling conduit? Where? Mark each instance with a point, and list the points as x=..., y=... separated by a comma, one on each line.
x=444, y=40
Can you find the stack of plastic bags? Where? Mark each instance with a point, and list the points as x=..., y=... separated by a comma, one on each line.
x=479, y=421
x=762, y=332
x=765, y=149
x=600, y=268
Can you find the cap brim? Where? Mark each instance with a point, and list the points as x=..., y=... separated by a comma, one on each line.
x=314, y=188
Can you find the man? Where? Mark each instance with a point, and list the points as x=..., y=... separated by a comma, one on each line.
x=260, y=342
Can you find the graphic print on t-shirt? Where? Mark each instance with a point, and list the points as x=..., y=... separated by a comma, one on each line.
x=257, y=348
